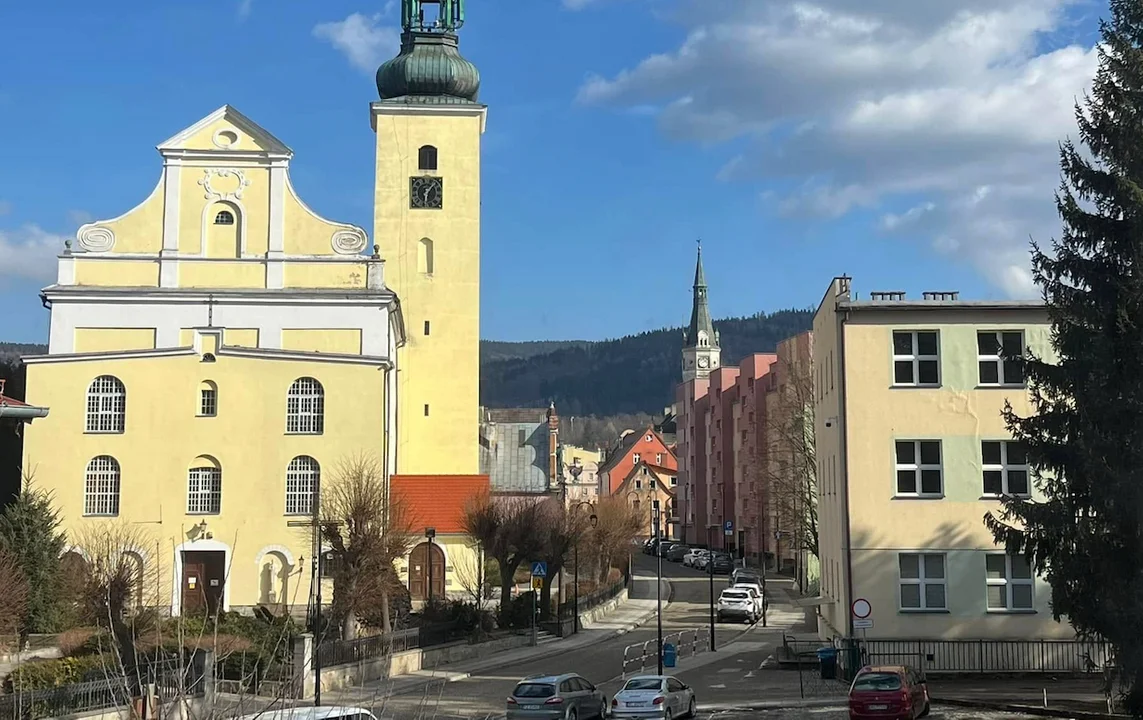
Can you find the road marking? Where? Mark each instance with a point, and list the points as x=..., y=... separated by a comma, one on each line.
x=718, y=687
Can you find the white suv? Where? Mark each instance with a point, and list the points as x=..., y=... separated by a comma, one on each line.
x=743, y=603
x=691, y=558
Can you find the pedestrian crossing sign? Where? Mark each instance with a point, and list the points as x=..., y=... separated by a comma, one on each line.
x=537, y=583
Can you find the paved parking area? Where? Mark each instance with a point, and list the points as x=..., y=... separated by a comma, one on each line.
x=840, y=713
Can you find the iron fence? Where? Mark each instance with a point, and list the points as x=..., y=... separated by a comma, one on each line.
x=592, y=600
x=989, y=656
x=345, y=652
x=687, y=643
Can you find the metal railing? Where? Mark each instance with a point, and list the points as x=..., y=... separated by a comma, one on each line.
x=688, y=643
x=592, y=599
x=346, y=652
x=989, y=656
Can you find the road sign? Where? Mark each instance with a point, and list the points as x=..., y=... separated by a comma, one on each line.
x=537, y=582
x=728, y=527
x=862, y=623
x=539, y=569
x=861, y=609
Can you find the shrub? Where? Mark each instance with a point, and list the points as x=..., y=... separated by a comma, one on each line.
x=518, y=613
x=81, y=641
x=40, y=674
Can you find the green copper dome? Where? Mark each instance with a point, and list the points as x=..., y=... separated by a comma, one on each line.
x=428, y=66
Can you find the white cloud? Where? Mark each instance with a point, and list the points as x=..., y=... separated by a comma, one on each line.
x=948, y=107
x=29, y=252
x=362, y=38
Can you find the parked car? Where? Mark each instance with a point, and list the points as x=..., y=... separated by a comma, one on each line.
x=677, y=552
x=749, y=582
x=691, y=558
x=722, y=563
x=654, y=696
x=747, y=575
x=738, y=604
x=665, y=547
x=327, y=712
x=555, y=697
x=888, y=691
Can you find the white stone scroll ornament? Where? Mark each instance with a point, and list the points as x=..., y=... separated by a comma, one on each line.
x=213, y=194
x=94, y=238
x=349, y=241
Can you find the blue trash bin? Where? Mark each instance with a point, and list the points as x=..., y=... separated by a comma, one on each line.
x=670, y=655
x=827, y=661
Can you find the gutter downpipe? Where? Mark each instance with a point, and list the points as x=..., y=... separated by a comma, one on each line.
x=22, y=412
x=845, y=468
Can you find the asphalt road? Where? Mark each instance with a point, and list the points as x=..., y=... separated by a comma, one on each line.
x=482, y=696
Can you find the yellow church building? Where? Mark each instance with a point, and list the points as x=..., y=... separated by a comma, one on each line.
x=217, y=349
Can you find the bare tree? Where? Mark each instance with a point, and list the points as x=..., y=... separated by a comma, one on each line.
x=470, y=574
x=13, y=594
x=559, y=529
x=367, y=529
x=508, y=531
x=617, y=525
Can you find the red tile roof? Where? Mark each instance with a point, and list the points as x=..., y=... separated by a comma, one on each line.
x=13, y=402
x=438, y=501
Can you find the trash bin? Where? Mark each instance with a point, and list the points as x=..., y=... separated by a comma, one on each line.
x=827, y=660
x=670, y=655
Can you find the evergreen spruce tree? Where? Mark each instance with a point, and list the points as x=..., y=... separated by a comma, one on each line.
x=1085, y=443
x=30, y=532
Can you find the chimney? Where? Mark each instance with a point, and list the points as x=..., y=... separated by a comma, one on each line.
x=887, y=296
x=945, y=295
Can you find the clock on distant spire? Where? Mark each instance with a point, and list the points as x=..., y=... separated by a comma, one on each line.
x=701, y=351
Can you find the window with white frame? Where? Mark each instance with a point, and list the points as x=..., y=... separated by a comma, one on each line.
x=635, y=458
x=208, y=399
x=1000, y=357
x=1005, y=468
x=919, y=468
x=101, y=487
x=106, y=405
x=674, y=481
x=923, y=584
x=658, y=458
x=638, y=484
x=1009, y=581
x=305, y=407
x=303, y=478
x=916, y=358
x=204, y=490
x=653, y=485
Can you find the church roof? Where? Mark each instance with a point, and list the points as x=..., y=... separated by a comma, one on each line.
x=700, y=311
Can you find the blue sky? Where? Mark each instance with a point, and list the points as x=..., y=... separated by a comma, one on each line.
x=912, y=147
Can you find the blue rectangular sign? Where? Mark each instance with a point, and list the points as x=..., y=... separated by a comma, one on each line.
x=539, y=569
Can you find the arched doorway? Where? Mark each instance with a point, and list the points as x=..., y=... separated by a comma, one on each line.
x=419, y=572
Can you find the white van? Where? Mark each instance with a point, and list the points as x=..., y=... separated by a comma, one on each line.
x=326, y=712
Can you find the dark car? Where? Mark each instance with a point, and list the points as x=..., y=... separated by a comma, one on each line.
x=723, y=563
x=665, y=547
x=676, y=553
x=555, y=697
x=888, y=691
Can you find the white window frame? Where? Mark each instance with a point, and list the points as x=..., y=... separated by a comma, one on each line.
x=635, y=458
x=208, y=402
x=917, y=467
x=305, y=407
x=998, y=359
x=204, y=490
x=1003, y=468
x=1008, y=582
x=915, y=357
x=658, y=458
x=922, y=581
x=303, y=481
x=101, y=484
x=106, y=406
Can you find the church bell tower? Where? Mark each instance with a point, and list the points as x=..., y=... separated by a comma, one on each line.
x=428, y=123
x=701, y=350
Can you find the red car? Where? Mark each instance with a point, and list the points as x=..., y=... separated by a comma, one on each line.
x=888, y=692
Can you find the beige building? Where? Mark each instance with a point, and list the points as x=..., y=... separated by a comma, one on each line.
x=580, y=474
x=912, y=452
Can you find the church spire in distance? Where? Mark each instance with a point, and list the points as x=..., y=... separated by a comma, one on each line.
x=700, y=341
x=429, y=68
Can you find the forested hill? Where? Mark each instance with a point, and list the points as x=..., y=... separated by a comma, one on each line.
x=633, y=374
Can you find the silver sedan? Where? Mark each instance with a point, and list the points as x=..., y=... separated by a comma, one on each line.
x=654, y=696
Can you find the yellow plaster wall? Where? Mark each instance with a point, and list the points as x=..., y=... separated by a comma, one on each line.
x=204, y=138
x=344, y=341
x=446, y=440
x=109, y=339
x=255, y=204
x=306, y=233
x=301, y=274
x=140, y=230
x=240, y=337
x=221, y=274
x=462, y=560
x=117, y=273
x=164, y=435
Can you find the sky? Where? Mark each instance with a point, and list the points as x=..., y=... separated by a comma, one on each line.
x=912, y=145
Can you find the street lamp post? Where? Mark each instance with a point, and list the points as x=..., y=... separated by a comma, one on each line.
x=710, y=572
x=655, y=516
x=430, y=533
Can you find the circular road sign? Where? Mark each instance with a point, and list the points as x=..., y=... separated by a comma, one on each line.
x=861, y=608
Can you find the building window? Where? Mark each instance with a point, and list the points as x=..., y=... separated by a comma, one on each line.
x=204, y=488
x=1009, y=579
x=427, y=158
x=653, y=486
x=303, y=478
x=1000, y=357
x=916, y=360
x=305, y=407
x=674, y=481
x=638, y=484
x=426, y=409
x=101, y=487
x=426, y=327
x=658, y=458
x=922, y=582
x=1005, y=466
x=522, y=437
x=919, y=468
x=425, y=256
x=106, y=405
x=635, y=458
x=208, y=399
x=224, y=217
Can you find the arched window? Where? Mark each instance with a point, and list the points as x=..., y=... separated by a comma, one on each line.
x=106, y=405
x=204, y=487
x=427, y=158
x=303, y=478
x=425, y=256
x=224, y=217
x=222, y=230
x=305, y=407
x=101, y=487
x=207, y=399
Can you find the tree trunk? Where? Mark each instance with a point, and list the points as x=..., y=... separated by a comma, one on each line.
x=507, y=580
x=349, y=626
x=386, y=621
x=546, y=597
x=604, y=567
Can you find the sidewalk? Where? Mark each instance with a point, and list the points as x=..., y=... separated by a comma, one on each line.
x=623, y=619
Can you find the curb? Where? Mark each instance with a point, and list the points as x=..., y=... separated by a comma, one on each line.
x=1026, y=709
x=772, y=705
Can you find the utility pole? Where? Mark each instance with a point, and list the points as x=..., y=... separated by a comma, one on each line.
x=710, y=571
x=657, y=514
